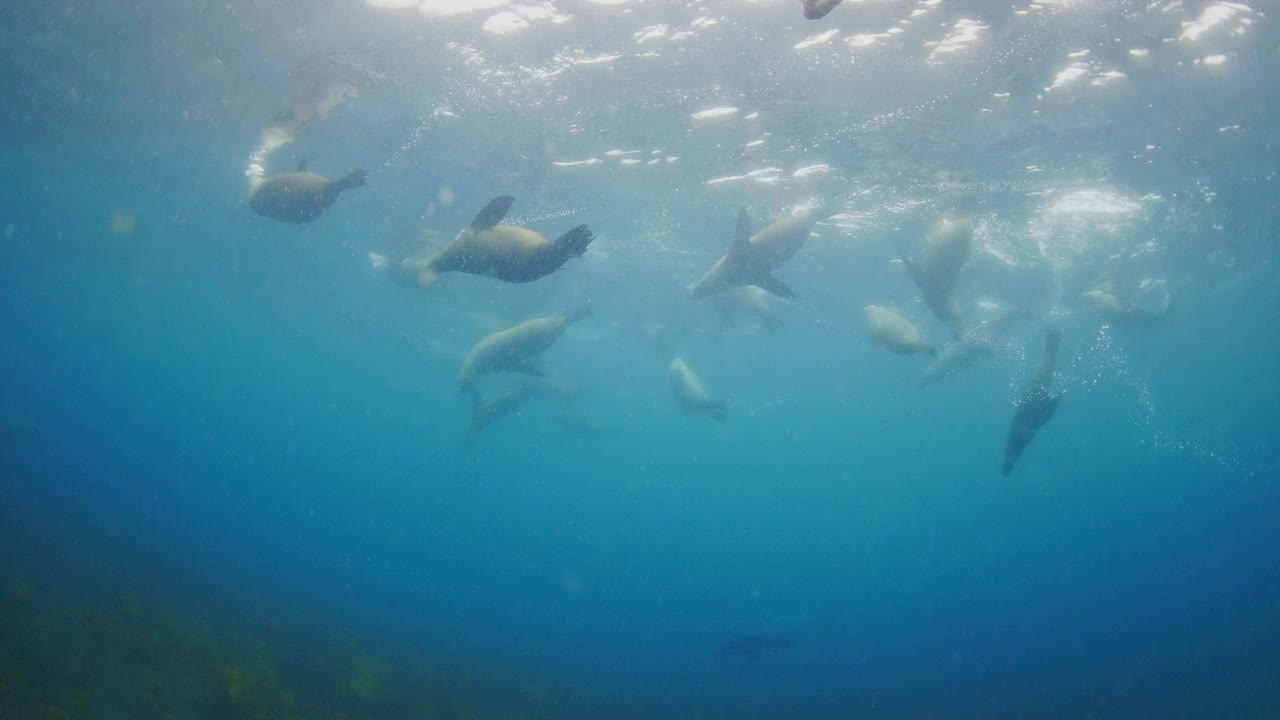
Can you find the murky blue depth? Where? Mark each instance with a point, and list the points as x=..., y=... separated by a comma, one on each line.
x=237, y=478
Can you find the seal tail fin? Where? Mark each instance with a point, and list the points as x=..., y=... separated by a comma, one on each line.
x=726, y=318
x=575, y=241
x=775, y=286
x=581, y=313
x=913, y=270
x=1053, y=338
x=353, y=179
x=717, y=409
x=741, y=235
x=427, y=277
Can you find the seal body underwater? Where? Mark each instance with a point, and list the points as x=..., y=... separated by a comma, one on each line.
x=690, y=394
x=946, y=250
x=746, y=300
x=1124, y=313
x=751, y=259
x=486, y=411
x=977, y=343
x=1036, y=406
x=893, y=331
x=504, y=252
x=511, y=350
x=299, y=196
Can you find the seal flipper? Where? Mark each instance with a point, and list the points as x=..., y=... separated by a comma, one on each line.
x=771, y=284
x=526, y=369
x=492, y=213
x=1052, y=341
x=575, y=242
x=353, y=179
x=726, y=318
x=717, y=409
x=818, y=9
x=581, y=313
x=914, y=270
x=741, y=235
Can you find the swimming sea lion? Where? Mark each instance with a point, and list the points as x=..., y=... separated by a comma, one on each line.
x=746, y=300
x=395, y=268
x=752, y=259
x=484, y=412
x=946, y=250
x=818, y=9
x=690, y=393
x=299, y=196
x=891, y=330
x=976, y=344
x=511, y=350
x=1125, y=313
x=1036, y=407
x=504, y=252
x=401, y=262
x=580, y=425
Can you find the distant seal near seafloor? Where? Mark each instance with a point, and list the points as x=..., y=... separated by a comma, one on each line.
x=1036, y=407
x=893, y=331
x=511, y=350
x=503, y=252
x=299, y=196
x=751, y=259
x=690, y=393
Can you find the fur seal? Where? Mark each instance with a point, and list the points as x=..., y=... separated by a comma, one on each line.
x=751, y=259
x=976, y=344
x=399, y=263
x=746, y=300
x=299, y=196
x=1036, y=407
x=486, y=411
x=577, y=424
x=818, y=9
x=511, y=350
x=1126, y=313
x=690, y=393
x=504, y=252
x=891, y=330
x=946, y=250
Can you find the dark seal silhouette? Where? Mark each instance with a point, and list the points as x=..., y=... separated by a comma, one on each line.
x=299, y=196
x=1035, y=408
x=504, y=252
x=754, y=647
x=818, y=9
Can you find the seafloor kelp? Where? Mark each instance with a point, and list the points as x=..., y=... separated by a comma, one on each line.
x=88, y=638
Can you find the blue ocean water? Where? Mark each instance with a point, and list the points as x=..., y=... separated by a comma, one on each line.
x=229, y=441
